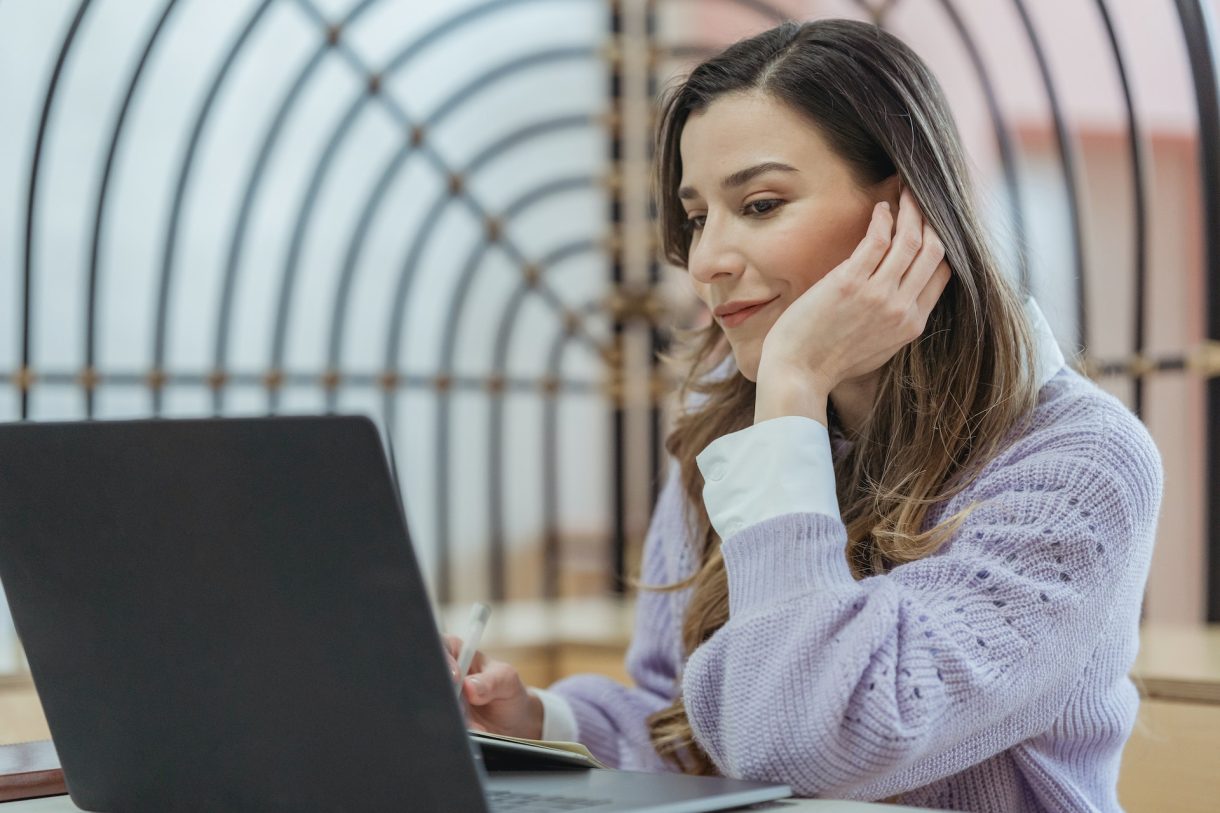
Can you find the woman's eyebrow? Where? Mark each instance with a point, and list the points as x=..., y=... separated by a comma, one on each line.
x=740, y=177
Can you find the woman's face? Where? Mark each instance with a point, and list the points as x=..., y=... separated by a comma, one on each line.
x=771, y=211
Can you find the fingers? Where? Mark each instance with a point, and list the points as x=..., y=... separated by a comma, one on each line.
x=496, y=681
x=907, y=240
x=923, y=266
x=933, y=289
x=453, y=648
x=871, y=250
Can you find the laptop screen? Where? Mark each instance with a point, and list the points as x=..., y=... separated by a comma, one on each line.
x=228, y=611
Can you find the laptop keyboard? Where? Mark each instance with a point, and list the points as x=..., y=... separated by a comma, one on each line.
x=508, y=801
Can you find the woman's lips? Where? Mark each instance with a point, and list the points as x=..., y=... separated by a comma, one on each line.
x=736, y=318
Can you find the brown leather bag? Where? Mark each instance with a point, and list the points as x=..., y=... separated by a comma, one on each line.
x=29, y=770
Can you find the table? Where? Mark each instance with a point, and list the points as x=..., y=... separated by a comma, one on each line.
x=62, y=804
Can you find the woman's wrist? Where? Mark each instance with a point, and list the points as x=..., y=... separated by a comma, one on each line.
x=778, y=394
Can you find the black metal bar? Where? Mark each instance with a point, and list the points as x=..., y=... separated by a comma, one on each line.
x=1067, y=161
x=657, y=342
x=1139, y=203
x=296, y=378
x=618, y=418
x=1201, y=35
x=32, y=199
x=184, y=171
x=99, y=215
x=552, y=543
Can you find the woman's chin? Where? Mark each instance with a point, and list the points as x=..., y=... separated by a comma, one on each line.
x=747, y=363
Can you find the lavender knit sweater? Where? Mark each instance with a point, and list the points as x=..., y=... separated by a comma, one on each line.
x=991, y=676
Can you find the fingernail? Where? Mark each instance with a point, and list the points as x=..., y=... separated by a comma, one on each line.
x=477, y=685
x=885, y=204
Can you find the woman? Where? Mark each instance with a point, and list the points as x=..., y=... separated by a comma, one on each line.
x=903, y=551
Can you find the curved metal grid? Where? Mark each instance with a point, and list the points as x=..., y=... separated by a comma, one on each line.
x=220, y=380
x=574, y=320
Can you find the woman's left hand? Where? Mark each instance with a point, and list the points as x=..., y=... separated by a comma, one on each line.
x=857, y=317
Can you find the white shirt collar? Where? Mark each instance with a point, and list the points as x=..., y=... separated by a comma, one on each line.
x=1048, y=358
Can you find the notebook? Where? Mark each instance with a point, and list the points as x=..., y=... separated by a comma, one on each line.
x=227, y=614
x=505, y=753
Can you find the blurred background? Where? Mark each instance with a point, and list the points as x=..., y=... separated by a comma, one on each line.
x=437, y=214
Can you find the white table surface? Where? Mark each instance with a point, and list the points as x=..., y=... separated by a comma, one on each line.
x=62, y=804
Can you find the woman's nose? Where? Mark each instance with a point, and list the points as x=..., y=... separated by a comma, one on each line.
x=712, y=256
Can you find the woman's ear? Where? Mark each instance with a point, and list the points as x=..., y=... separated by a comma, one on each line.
x=889, y=190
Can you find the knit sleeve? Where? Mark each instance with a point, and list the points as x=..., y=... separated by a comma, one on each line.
x=610, y=717
x=863, y=689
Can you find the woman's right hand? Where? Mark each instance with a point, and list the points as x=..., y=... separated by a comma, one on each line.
x=497, y=700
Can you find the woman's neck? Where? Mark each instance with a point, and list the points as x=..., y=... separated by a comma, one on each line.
x=852, y=400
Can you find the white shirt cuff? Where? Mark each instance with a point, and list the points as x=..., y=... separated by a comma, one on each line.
x=780, y=466
x=558, y=720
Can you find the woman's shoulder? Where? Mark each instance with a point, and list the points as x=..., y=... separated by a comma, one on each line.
x=1078, y=425
x=1069, y=404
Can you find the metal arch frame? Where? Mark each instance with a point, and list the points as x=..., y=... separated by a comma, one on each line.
x=1200, y=34
x=999, y=125
x=551, y=384
x=400, y=60
x=1067, y=162
x=253, y=184
x=94, y=276
x=252, y=187
x=1008, y=159
x=392, y=168
x=184, y=179
x=550, y=477
x=184, y=176
x=422, y=237
x=1192, y=16
x=1139, y=212
x=418, y=243
x=32, y=200
x=457, y=307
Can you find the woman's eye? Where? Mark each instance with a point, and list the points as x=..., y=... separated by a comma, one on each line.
x=762, y=207
x=694, y=222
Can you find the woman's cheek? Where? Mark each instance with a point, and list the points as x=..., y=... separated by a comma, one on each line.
x=803, y=256
x=809, y=245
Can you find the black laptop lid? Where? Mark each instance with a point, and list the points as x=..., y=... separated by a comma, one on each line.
x=227, y=614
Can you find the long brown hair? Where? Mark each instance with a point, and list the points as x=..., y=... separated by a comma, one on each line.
x=945, y=404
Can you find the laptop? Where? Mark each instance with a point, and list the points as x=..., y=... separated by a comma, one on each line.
x=227, y=614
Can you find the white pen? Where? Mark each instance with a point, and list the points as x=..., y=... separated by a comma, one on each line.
x=479, y=614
